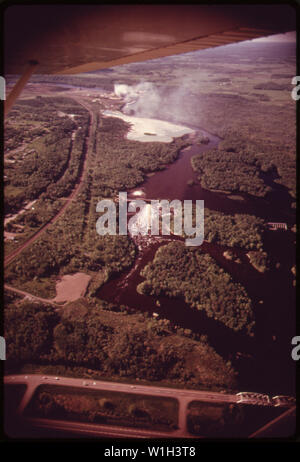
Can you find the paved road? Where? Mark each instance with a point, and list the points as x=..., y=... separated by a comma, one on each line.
x=68, y=200
x=184, y=397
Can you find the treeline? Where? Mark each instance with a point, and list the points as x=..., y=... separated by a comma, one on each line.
x=178, y=271
x=86, y=82
x=111, y=343
x=238, y=230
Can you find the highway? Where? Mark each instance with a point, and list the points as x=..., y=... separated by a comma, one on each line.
x=184, y=397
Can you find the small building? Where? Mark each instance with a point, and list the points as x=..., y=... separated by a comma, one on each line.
x=274, y=226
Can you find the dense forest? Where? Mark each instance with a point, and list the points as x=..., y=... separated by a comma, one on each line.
x=238, y=230
x=178, y=271
x=273, y=159
x=238, y=166
x=87, y=335
x=223, y=170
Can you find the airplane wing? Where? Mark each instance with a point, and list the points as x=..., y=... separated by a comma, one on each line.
x=70, y=39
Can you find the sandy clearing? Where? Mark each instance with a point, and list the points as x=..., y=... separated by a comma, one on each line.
x=71, y=287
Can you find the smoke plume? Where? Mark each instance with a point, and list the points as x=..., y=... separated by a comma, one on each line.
x=150, y=101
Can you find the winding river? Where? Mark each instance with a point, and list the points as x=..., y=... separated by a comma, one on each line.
x=263, y=361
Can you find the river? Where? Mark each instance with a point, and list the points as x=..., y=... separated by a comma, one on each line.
x=263, y=361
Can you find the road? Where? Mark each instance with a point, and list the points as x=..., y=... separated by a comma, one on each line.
x=184, y=397
x=31, y=296
x=69, y=199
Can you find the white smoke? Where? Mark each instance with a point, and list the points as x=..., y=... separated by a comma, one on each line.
x=121, y=89
x=147, y=100
x=141, y=100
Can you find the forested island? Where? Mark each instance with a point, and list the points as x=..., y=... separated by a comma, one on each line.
x=247, y=161
x=178, y=271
